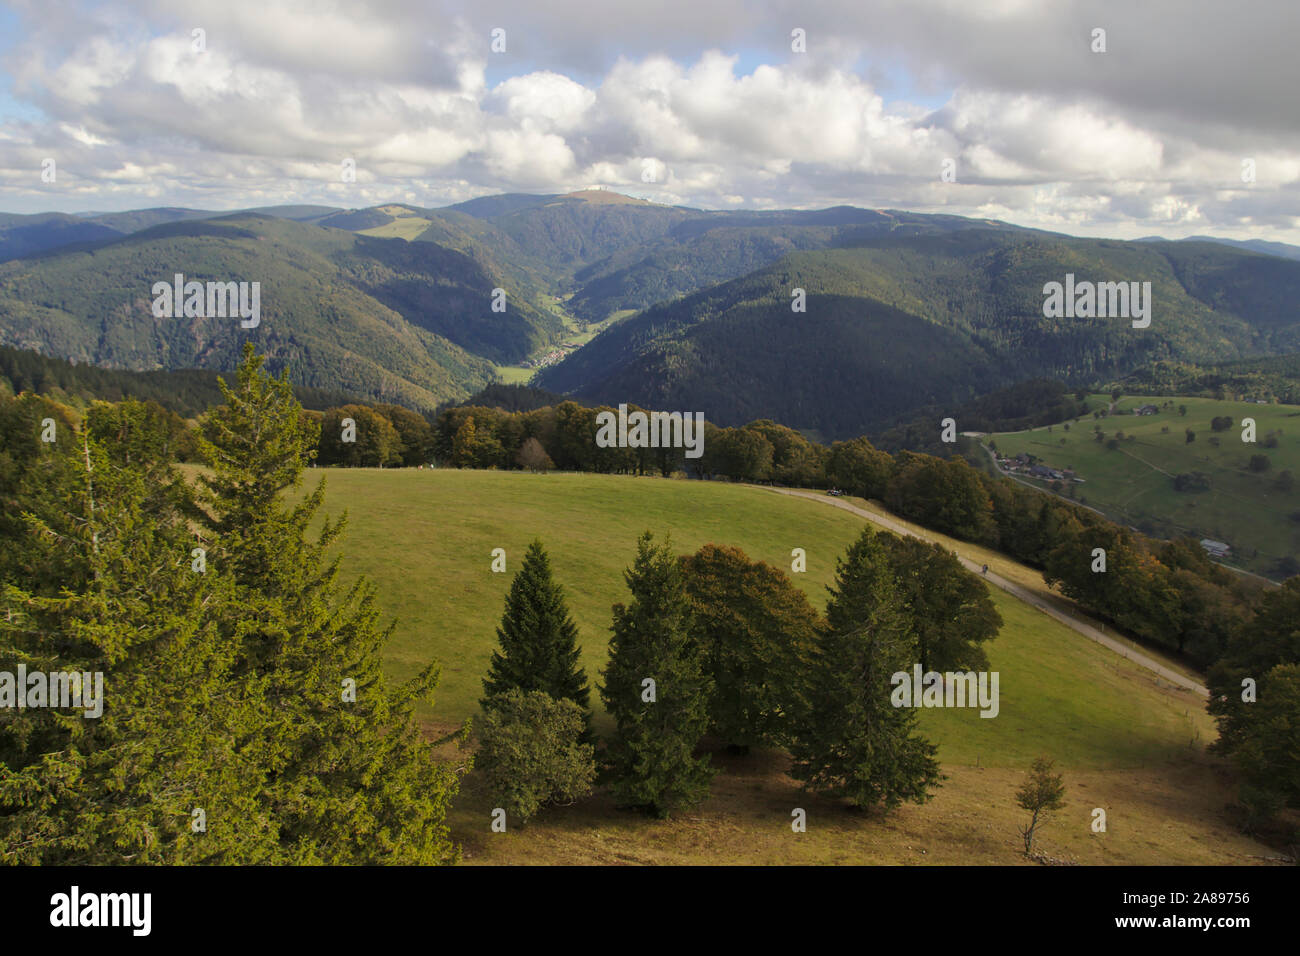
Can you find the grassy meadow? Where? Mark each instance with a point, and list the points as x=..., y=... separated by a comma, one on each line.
x=425, y=538
x=406, y=226
x=1134, y=482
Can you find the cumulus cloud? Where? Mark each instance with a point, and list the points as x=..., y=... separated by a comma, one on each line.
x=700, y=104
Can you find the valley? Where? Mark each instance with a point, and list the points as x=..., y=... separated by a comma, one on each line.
x=614, y=299
x=602, y=435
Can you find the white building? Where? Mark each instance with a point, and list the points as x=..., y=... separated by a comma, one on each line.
x=1216, y=549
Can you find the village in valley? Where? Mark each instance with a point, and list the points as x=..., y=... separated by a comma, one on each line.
x=555, y=355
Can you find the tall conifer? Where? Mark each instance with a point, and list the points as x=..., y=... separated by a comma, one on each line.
x=349, y=777
x=659, y=724
x=538, y=639
x=162, y=773
x=856, y=744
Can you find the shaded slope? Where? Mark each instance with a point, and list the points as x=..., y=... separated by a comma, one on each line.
x=896, y=322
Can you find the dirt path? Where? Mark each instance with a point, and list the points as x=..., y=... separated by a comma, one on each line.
x=1148, y=464
x=1015, y=590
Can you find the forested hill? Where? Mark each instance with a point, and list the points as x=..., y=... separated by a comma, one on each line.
x=615, y=254
x=187, y=392
x=896, y=323
x=905, y=313
x=387, y=320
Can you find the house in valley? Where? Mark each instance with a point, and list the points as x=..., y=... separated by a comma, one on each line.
x=1215, y=549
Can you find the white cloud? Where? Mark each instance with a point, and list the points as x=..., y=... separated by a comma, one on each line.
x=1147, y=137
x=545, y=101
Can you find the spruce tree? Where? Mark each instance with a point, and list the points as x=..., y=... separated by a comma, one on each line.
x=350, y=779
x=171, y=733
x=658, y=725
x=31, y=473
x=855, y=743
x=538, y=639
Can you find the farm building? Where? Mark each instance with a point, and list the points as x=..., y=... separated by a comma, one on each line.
x=1216, y=549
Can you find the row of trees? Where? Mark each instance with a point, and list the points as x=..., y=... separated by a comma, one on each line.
x=245, y=716
x=713, y=643
x=1255, y=698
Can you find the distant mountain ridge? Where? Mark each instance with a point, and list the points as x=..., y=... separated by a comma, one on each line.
x=331, y=307
x=416, y=306
x=1264, y=247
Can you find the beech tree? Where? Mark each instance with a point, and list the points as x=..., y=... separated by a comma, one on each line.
x=758, y=632
x=1255, y=699
x=859, y=468
x=948, y=608
x=947, y=496
x=1265, y=753
x=372, y=442
x=533, y=456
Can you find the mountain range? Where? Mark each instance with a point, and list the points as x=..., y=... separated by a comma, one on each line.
x=696, y=309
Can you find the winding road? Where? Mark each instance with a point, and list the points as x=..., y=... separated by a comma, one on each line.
x=1015, y=590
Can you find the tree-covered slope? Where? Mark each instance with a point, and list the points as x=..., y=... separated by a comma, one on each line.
x=323, y=314
x=895, y=322
x=28, y=235
x=713, y=247
x=188, y=392
x=565, y=233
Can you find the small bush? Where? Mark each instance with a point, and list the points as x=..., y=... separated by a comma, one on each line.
x=1192, y=481
x=530, y=751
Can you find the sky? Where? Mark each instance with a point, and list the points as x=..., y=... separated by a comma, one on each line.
x=1180, y=119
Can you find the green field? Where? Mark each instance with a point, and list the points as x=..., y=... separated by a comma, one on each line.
x=406, y=227
x=425, y=538
x=1134, y=482
x=514, y=374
